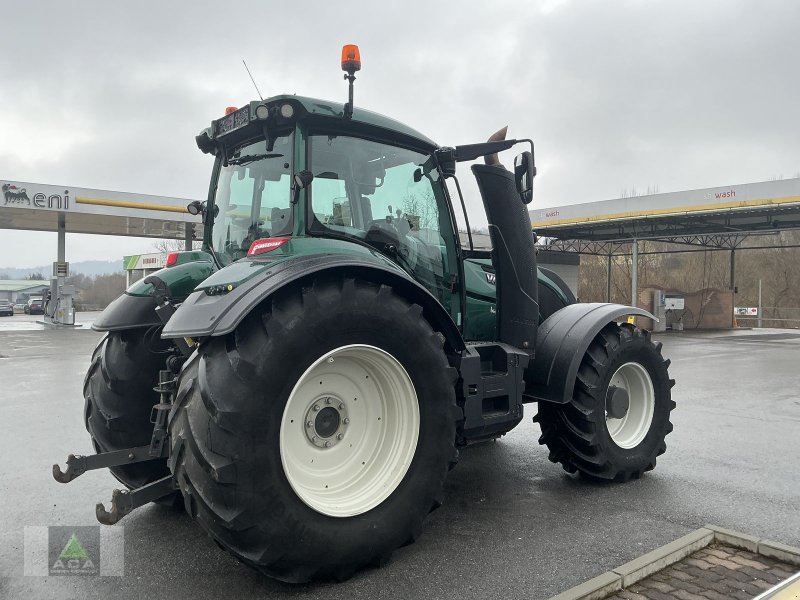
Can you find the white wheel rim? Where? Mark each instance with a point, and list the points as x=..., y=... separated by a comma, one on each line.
x=631, y=429
x=371, y=438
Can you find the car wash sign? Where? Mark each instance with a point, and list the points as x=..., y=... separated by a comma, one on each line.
x=16, y=195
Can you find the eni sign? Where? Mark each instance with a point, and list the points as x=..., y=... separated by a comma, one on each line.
x=17, y=196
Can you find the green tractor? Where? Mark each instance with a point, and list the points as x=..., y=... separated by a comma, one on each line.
x=302, y=385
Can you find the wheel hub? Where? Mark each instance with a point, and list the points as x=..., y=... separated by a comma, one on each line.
x=617, y=402
x=326, y=422
x=630, y=405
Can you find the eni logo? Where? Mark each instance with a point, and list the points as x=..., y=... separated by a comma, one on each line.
x=14, y=195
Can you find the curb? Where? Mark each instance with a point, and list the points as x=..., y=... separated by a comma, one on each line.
x=625, y=575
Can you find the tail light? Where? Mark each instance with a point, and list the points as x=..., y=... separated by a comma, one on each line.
x=265, y=245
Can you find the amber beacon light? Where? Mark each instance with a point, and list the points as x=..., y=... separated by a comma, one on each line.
x=351, y=62
x=351, y=58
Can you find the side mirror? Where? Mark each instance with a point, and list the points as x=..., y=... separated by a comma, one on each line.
x=301, y=181
x=524, y=172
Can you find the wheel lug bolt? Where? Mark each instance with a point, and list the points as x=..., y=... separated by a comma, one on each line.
x=346, y=421
x=314, y=439
x=340, y=436
x=341, y=407
x=309, y=424
x=327, y=400
x=316, y=407
x=327, y=444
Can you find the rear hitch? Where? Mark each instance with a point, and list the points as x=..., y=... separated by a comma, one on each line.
x=124, y=501
x=78, y=465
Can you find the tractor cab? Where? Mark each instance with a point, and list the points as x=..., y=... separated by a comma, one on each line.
x=300, y=169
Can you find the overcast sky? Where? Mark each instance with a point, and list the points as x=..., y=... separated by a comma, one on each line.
x=616, y=94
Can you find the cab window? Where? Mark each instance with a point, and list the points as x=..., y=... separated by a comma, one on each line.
x=384, y=196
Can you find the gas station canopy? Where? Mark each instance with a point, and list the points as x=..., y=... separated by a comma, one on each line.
x=687, y=217
x=34, y=206
x=40, y=207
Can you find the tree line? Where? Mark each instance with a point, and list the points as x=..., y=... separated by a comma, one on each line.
x=95, y=293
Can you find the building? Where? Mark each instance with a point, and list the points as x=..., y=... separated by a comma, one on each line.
x=139, y=266
x=18, y=291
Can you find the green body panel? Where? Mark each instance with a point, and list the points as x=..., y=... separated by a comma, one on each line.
x=247, y=268
x=481, y=318
x=181, y=279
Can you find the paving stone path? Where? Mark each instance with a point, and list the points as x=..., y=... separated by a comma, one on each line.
x=717, y=572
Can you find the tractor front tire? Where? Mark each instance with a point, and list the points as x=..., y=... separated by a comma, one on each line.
x=615, y=426
x=119, y=397
x=314, y=439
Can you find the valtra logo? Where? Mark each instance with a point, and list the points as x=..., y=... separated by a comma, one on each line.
x=17, y=196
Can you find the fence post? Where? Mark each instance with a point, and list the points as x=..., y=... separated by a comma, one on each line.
x=760, y=322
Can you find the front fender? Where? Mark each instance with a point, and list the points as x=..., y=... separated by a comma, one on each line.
x=563, y=339
x=137, y=306
x=219, y=313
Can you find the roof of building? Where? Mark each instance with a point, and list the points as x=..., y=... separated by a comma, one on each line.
x=20, y=285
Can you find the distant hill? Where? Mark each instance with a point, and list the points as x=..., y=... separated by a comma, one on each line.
x=90, y=268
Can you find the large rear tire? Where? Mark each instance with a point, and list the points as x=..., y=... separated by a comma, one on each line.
x=314, y=439
x=615, y=426
x=119, y=395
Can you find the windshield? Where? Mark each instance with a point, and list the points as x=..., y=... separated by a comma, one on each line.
x=253, y=198
x=381, y=195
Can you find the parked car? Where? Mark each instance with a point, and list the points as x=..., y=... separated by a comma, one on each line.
x=19, y=307
x=34, y=307
x=6, y=309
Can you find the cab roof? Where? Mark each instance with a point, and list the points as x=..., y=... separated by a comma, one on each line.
x=321, y=112
x=361, y=115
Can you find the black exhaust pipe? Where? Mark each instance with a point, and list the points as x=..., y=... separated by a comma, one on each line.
x=513, y=256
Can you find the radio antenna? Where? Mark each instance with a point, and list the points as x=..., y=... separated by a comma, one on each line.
x=253, y=80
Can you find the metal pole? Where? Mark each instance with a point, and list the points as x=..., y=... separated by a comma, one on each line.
x=608, y=278
x=759, y=304
x=733, y=270
x=62, y=236
x=634, y=271
x=55, y=290
x=188, y=235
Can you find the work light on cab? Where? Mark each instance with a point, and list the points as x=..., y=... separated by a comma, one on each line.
x=262, y=112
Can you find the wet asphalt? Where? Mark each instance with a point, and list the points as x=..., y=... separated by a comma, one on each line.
x=513, y=524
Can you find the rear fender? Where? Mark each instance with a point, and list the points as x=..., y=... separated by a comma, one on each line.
x=203, y=315
x=563, y=339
